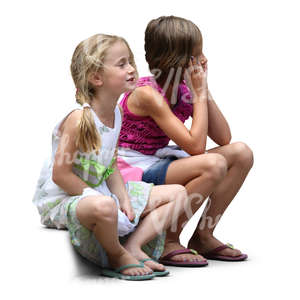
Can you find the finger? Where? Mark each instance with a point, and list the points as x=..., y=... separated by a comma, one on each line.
x=195, y=64
x=191, y=61
x=190, y=68
x=204, y=65
x=187, y=77
x=125, y=212
x=194, y=60
x=200, y=67
x=132, y=216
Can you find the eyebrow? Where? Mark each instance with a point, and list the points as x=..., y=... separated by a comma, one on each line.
x=121, y=58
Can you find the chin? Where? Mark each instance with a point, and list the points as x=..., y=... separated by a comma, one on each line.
x=130, y=88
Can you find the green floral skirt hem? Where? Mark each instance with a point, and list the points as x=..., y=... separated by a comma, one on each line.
x=84, y=240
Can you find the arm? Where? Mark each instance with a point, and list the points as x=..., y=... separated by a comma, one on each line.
x=116, y=185
x=145, y=101
x=66, y=152
x=218, y=128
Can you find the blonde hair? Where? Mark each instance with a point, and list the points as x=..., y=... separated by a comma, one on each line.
x=169, y=43
x=88, y=58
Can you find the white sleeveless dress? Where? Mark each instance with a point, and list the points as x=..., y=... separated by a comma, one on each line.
x=58, y=209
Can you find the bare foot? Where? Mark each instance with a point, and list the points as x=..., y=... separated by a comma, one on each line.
x=125, y=258
x=139, y=255
x=174, y=245
x=205, y=244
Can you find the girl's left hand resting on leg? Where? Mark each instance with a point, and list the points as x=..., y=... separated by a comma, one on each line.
x=126, y=208
x=116, y=185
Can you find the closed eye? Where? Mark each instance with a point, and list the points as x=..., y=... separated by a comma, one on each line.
x=123, y=62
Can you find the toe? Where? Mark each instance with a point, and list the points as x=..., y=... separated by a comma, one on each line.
x=237, y=252
x=148, y=270
x=131, y=272
x=136, y=271
x=231, y=252
x=200, y=258
x=155, y=266
x=161, y=267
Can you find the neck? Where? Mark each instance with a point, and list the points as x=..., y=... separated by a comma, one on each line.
x=104, y=105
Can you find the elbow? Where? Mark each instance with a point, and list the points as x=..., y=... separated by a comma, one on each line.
x=222, y=139
x=226, y=140
x=196, y=149
x=227, y=137
x=56, y=176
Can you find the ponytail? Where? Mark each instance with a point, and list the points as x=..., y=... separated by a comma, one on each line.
x=88, y=139
x=89, y=57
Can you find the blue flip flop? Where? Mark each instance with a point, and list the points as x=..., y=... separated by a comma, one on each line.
x=117, y=273
x=156, y=273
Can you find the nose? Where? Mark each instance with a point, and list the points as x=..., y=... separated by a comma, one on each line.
x=131, y=69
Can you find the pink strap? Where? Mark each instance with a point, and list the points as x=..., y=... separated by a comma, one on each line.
x=216, y=250
x=176, y=252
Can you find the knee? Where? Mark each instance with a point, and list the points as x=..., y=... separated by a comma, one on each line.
x=180, y=191
x=176, y=192
x=104, y=207
x=243, y=154
x=216, y=166
x=181, y=198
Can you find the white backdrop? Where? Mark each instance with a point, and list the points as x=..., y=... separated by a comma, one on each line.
x=253, y=72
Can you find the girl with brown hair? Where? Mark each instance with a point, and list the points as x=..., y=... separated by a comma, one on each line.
x=154, y=114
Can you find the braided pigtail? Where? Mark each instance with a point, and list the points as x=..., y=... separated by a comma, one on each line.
x=88, y=57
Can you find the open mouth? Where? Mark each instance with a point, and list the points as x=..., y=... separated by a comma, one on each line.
x=132, y=79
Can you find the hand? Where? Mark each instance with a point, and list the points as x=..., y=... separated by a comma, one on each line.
x=196, y=77
x=204, y=66
x=126, y=208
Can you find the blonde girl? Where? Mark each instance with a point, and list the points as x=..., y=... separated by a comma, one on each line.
x=81, y=188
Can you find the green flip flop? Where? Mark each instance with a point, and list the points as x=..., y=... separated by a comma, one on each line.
x=117, y=273
x=156, y=273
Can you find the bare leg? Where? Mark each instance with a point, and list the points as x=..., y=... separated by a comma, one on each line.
x=99, y=214
x=239, y=159
x=200, y=174
x=165, y=205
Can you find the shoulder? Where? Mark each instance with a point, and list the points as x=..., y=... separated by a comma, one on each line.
x=74, y=117
x=71, y=122
x=147, y=98
x=146, y=92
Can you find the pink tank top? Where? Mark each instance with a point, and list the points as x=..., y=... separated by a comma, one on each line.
x=141, y=133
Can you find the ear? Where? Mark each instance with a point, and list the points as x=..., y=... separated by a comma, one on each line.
x=95, y=79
